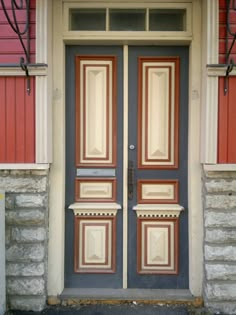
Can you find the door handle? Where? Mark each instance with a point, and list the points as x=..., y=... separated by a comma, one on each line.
x=130, y=179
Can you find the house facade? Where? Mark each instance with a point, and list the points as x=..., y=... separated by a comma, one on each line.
x=117, y=156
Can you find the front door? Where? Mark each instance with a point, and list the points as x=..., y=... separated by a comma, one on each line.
x=126, y=167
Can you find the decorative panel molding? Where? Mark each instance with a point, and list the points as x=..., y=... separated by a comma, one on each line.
x=95, y=111
x=95, y=209
x=158, y=210
x=157, y=246
x=95, y=244
x=99, y=189
x=158, y=191
x=158, y=112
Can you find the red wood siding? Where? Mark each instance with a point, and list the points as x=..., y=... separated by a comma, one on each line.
x=17, y=121
x=10, y=47
x=226, y=103
x=227, y=122
x=222, y=31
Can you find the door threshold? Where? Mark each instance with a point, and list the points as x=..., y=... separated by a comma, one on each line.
x=71, y=296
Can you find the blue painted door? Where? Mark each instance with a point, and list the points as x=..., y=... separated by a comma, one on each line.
x=151, y=251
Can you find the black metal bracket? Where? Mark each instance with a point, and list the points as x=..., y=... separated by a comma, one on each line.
x=230, y=5
x=23, y=33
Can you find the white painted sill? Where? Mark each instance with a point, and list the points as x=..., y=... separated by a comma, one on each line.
x=24, y=166
x=219, y=167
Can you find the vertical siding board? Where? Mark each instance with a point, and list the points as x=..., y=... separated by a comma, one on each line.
x=10, y=48
x=10, y=119
x=232, y=121
x=20, y=120
x=2, y=120
x=17, y=121
x=30, y=124
x=222, y=124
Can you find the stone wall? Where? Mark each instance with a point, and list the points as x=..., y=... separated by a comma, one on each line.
x=219, y=191
x=26, y=237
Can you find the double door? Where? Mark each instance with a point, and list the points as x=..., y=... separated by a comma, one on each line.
x=126, y=167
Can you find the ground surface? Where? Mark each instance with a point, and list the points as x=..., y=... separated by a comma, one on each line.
x=128, y=309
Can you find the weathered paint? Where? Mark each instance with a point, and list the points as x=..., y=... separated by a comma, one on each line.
x=227, y=118
x=17, y=121
x=10, y=47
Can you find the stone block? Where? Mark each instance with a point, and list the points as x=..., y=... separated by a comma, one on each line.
x=220, y=202
x=30, y=201
x=221, y=291
x=25, y=217
x=220, y=219
x=28, y=234
x=220, y=272
x=10, y=201
x=29, y=184
x=28, y=303
x=20, y=172
x=40, y=172
x=4, y=172
x=221, y=185
x=26, y=252
x=25, y=286
x=222, y=307
x=25, y=269
x=220, y=235
x=220, y=253
x=223, y=174
x=7, y=236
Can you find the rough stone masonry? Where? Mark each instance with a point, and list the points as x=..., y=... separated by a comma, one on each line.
x=219, y=195
x=26, y=237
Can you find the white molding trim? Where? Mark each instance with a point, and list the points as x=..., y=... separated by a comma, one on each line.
x=158, y=210
x=2, y=255
x=24, y=166
x=219, y=167
x=95, y=209
x=56, y=242
x=43, y=110
x=195, y=212
x=17, y=71
x=209, y=130
x=216, y=71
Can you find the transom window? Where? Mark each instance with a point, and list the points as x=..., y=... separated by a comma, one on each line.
x=128, y=19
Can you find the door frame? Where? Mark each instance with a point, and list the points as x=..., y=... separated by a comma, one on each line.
x=57, y=173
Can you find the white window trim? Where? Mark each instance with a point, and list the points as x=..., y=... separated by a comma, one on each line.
x=209, y=118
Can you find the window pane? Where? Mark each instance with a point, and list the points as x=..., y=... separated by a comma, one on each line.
x=167, y=20
x=88, y=20
x=127, y=20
